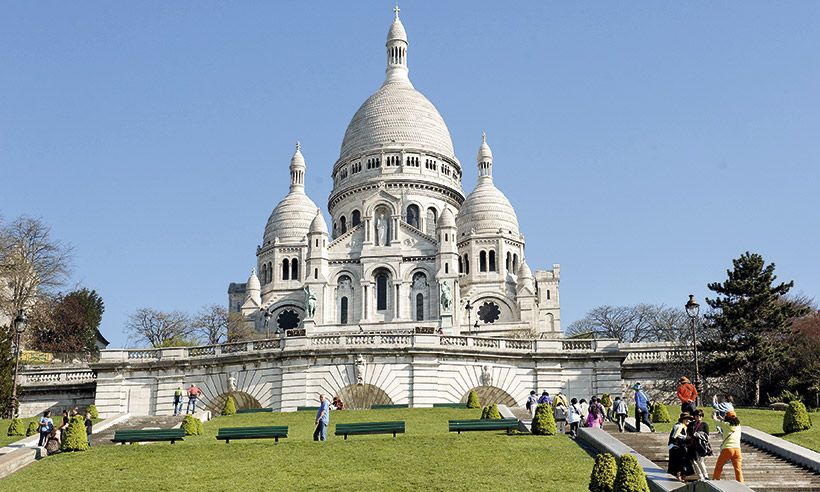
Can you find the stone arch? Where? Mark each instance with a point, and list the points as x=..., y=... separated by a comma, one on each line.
x=243, y=400
x=363, y=396
x=370, y=209
x=491, y=394
x=507, y=313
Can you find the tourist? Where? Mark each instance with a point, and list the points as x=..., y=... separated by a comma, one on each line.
x=730, y=448
x=337, y=403
x=64, y=424
x=641, y=408
x=722, y=407
x=46, y=426
x=687, y=394
x=583, y=406
x=532, y=402
x=562, y=398
x=621, y=410
x=193, y=395
x=679, y=464
x=697, y=444
x=53, y=442
x=178, y=400
x=561, y=417
x=88, y=427
x=595, y=417
x=322, y=420
x=545, y=399
x=573, y=417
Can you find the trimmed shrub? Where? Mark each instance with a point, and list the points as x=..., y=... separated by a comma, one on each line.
x=659, y=414
x=472, y=400
x=16, y=428
x=75, y=437
x=92, y=410
x=493, y=413
x=796, y=418
x=230, y=406
x=630, y=476
x=603, y=473
x=190, y=426
x=198, y=427
x=33, y=428
x=543, y=424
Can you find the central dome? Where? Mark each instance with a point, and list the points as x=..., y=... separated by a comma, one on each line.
x=397, y=116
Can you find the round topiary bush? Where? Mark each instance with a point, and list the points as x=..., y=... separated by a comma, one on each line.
x=92, y=410
x=75, y=438
x=16, y=428
x=796, y=418
x=630, y=476
x=189, y=425
x=33, y=428
x=543, y=424
x=493, y=413
x=603, y=473
x=230, y=406
x=472, y=400
x=659, y=414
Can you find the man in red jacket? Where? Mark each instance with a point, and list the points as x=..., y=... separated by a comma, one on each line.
x=688, y=395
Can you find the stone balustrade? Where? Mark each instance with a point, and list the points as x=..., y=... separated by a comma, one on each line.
x=56, y=377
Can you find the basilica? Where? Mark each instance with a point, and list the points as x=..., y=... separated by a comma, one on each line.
x=404, y=247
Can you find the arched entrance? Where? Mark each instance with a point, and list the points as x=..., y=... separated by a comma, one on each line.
x=363, y=396
x=243, y=400
x=491, y=394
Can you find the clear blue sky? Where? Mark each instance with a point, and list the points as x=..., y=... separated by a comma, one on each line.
x=643, y=144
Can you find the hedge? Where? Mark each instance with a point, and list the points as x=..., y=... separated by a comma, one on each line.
x=92, y=410
x=604, y=472
x=189, y=424
x=796, y=418
x=630, y=476
x=543, y=424
x=33, y=428
x=16, y=428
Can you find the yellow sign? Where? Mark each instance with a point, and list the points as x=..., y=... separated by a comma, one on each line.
x=32, y=357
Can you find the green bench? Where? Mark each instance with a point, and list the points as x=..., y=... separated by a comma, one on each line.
x=385, y=407
x=148, y=435
x=449, y=405
x=307, y=408
x=483, y=425
x=275, y=432
x=255, y=410
x=370, y=428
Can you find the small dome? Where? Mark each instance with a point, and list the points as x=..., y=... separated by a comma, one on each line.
x=396, y=32
x=318, y=225
x=290, y=220
x=524, y=270
x=253, y=282
x=484, y=151
x=298, y=160
x=487, y=210
x=447, y=218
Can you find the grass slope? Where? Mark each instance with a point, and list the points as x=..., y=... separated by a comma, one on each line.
x=426, y=458
x=4, y=429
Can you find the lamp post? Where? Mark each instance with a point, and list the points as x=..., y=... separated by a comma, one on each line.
x=19, y=327
x=469, y=308
x=692, y=310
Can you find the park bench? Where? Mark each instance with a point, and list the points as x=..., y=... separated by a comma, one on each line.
x=370, y=428
x=307, y=408
x=275, y=432
x=483, y=425
x=255, y=410
x=384, y=407
x=148, y=435
x=449, y=405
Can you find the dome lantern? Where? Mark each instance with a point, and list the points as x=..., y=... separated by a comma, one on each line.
x=485, y=159
x=397, y=70
x=297, y=170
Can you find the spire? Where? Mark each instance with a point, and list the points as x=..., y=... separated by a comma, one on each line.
x=297, y=170
x=396, y=51
x=485, y=159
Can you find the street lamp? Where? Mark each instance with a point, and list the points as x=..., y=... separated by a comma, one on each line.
x=469, y=308
x=692, y=310
x=19, y=327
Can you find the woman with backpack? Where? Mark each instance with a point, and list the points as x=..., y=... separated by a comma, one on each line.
x=697, y=444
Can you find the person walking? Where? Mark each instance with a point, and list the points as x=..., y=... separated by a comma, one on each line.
x=532, y=402
x=322, y=420
x=584, y=407
x=688, y=395
x=193, y=395
x=573, y=417
x=88, y=427
x=178, y=400
x=621, y=410
x=595, y=417
x=641, y=408
x=45, y=428
x=679, y=464
x=730, y=447
x=560, y=417
x=562, y=398
x=64, y=425
x=545, y=399
x=697, y=444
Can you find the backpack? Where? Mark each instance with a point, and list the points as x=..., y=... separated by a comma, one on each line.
x=529, y=404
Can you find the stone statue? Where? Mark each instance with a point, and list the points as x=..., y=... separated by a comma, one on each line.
x=232, y=382
x=486, y=376
x=358, y=369
x=381, y=231
x=446, y=298
x=419, y=282
x=310, y=302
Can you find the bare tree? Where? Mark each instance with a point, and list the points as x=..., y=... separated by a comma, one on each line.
x=240, y=330
x=159, y=328
x=639, y=323
x=211, y=324
x=32, y=264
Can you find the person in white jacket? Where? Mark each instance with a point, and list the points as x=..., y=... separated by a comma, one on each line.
x=573, y=417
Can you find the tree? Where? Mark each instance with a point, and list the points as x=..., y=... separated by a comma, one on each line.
x=802, y=372
x=66, y=323
x=159, y=328
x=749, y=323
x=211, y=324
x=639, y=323
x=239, y=330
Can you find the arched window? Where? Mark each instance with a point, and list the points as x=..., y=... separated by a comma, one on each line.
x=432, y=220
x=265, y=273
x=270, y=272
x=343, y=221
x=548, y=294
x=285, y=269
x=381, y=291
x=413, y=215
x=446, y=268
x=460, y=265
x=492, y=260
x=294, y=269
x=509, y=261
x=343, y=310
x=482, y=261
x=466, y=264
x=355, y=218
x=315, y=273
x=419, y=307
x=515, y=263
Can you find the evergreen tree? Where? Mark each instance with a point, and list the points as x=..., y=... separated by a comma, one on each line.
x=543, y=423
x=230, y=406
x=750, y=322
x=630, y=476
x=75, y=437
x=472, y=400
x=603, y=473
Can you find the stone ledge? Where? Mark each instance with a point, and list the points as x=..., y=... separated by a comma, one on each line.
x=789, y=451
x=13, y=461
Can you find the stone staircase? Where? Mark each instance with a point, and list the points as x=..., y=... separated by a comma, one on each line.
x=136, y=423
x=761, y=471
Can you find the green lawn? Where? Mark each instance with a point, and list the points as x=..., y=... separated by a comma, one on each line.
x=769, y=421
x=427, y=457
x=4, y=429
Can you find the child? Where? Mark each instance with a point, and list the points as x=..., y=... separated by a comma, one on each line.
x=621, y=412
